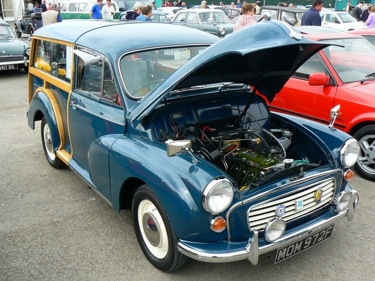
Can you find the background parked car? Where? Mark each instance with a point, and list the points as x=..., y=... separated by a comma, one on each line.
x=340, y=20
x=337, y=76
x=292, y=16
x=28, y=23
x=14, y=53
x=157, y=16
x=368, y=33
x=209, y=20
x=169, y=12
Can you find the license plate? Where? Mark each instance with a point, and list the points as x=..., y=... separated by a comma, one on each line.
x=302, y=245
x=8, y=67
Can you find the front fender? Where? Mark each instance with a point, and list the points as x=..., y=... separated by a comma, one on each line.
x=44, y=104
x=18, y=25
x=176, y=181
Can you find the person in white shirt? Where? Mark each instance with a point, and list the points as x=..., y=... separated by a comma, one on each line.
x=108, y=11
x=30, y=6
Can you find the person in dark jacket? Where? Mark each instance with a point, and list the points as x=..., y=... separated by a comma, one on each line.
x=137, y=10
x=357, y=11
x=312, y=17
x=365, y=14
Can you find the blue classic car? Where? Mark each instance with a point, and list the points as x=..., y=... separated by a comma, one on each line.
x=14, y=53
x=175, y=130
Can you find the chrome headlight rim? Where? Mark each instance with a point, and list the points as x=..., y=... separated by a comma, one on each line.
x=222, y=31
x=349, y=153
x=270, y=226
x=27, y=52
x=210, y=193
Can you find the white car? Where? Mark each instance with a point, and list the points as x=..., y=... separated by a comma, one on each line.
x=340, y=20
x=169, y=11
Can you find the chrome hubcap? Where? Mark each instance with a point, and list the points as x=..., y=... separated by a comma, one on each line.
x=367, y=159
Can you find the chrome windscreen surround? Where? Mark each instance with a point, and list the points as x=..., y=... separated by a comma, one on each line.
x=292, y=205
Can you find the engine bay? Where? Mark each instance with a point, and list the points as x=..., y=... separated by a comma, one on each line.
x=240, y=137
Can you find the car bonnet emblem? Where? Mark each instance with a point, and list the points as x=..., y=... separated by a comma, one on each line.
x=318, y=195
x=280, y=210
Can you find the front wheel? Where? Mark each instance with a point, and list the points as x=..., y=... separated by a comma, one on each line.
x=154, y=231
x=50, y=153
x=365, y=165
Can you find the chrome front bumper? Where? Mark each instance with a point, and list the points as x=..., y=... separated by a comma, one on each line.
x=225, y=251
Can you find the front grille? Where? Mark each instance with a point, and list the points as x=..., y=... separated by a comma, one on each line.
x=260, y=214
x=11, y=58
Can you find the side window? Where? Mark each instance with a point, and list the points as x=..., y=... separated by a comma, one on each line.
x=180, y=17
x=64, y=7
x=55, y=59
x=192, y=18
x=312, y=65
x=94, y=76
x=73, y=7
x=82, y=7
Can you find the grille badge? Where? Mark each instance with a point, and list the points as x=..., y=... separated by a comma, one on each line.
x=280, y=210
x=318, y=195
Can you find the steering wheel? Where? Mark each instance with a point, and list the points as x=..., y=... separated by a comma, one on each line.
x=148, y=84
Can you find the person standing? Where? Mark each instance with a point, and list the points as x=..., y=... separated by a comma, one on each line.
x=365, y=14
x=108, y=11
x=312, y=17
x=239, y=5
x=247, y=17
x=357, y=11
x=51, y=16
x=137, y=10
x=146, y=13
x=44, y=7
x=95, y=10
x=370, y=22
x=30, y=6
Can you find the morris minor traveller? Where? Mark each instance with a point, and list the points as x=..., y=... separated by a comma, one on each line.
x=174, y=130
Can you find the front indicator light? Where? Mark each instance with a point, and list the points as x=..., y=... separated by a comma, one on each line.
x=348, y=175
x=274, y=229
x=218, y=224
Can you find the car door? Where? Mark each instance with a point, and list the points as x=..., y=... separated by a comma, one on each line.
x=94, y=101
x=299, y=98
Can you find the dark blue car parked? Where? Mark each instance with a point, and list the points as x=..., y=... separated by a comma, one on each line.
x=158, y=121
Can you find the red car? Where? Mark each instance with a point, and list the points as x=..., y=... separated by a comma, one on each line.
x=343, y=74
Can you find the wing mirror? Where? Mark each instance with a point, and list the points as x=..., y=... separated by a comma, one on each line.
x=175, y=147
x=335, y=111
x=318, y=79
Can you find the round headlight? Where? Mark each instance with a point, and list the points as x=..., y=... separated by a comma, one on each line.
x=222, y=31
x=27, y=51
x=217, y=196
x=343, y=201
x=350, y=153
x=274, y=229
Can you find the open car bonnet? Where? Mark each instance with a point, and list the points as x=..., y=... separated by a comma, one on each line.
x=263, y=55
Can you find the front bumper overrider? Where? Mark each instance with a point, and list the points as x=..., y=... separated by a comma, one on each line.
x=226, y=251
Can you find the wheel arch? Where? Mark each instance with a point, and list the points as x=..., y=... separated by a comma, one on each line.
x=44, y=104
x=359, y=126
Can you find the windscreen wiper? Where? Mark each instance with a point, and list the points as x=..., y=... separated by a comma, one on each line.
x=368, y=77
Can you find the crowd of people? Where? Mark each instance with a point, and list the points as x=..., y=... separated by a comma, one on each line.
x=51, y=12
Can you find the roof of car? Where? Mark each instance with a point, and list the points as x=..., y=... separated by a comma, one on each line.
x=126, y=36
x=322, y=33
x=363, y=31
x=286, y=9
x=310, y=29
